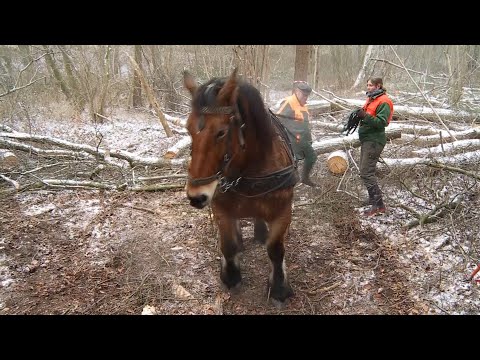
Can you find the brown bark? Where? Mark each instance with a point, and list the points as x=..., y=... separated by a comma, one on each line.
x=302, y=56
x=137, y=84
x=152, y=99
x=56, y=73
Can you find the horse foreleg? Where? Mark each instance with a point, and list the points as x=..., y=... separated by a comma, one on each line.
x=230, y=246
x=280, y=289
x=260, y=231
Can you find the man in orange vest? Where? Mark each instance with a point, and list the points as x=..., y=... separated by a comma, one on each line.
x=375, y=115
x=294, y=115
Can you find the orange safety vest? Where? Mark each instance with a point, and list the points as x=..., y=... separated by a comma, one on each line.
x=370, y=106
x=299, y=110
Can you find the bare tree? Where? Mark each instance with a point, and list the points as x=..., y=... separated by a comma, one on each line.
x=457, y=64
x=56, y=72
x=77, y=96
x=361, y=74
x=302, y=57
x=137, y=85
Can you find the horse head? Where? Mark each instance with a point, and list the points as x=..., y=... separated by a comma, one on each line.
x=212, y=122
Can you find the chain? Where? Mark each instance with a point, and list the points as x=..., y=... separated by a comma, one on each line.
x=225, y=185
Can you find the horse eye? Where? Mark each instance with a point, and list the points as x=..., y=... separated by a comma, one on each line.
x=221, y=134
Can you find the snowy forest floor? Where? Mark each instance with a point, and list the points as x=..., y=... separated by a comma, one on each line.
x=76, y=251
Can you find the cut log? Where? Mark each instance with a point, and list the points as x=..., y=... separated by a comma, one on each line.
x=176, y=149
x=337, y=162
x=8, y=160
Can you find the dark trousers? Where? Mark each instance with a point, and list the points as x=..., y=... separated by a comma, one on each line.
x=304, y=151
x=369, y=155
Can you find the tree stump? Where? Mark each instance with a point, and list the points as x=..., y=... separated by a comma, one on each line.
x=337, y=162
x=8, y=160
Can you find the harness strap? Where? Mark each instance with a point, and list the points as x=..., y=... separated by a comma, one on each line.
x=276, y=180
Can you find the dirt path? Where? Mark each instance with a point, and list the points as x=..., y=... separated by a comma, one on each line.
x=90, y=252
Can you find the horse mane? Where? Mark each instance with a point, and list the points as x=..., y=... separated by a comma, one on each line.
x=252, y=109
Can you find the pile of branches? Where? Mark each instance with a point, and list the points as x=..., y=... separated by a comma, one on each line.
x=48, y=162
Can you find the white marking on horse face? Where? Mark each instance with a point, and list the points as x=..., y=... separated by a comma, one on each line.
x=207, y=190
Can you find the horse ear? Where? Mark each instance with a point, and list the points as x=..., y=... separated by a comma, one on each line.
x=189, y=82
x=227, y=93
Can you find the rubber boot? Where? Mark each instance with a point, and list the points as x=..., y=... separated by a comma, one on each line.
x=306, y=176
x=378, y=206
x=368, y=201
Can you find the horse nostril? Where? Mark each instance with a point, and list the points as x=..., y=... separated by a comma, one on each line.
x=198, y=201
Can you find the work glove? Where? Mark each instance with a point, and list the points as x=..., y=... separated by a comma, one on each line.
x=361, y=114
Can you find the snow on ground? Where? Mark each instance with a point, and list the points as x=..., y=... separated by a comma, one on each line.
x=443, y=265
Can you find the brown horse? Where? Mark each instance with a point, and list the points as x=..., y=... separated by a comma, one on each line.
x=242, y=164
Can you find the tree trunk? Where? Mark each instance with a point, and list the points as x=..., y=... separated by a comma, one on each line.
x=56, y=72
x=100, y=113
x=152, y=99
x=137, y=85
x=361, y=74
x=79, y=100
x=302, y=57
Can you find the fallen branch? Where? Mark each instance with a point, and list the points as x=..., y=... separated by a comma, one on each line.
x=465, y=158
x=37, y=151
x=12, y=182
x=420, y=90
x=472, y=133
x=140, y=208
x=176, y=121
x=435, y=214
x=78, y=184
x=160, y=177
x=342, y=142
x=455, y=169
x=101, y=154
x=157, y=187
x=6, y=128
x=467, y=144
x=176, y=149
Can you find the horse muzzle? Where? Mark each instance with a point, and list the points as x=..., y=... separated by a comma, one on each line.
x=201, y=196
x=199, y=201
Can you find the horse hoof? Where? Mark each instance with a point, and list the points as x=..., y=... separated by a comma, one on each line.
x=280, y=293
x=234, y=290
x=231, y=278
x=279, y=305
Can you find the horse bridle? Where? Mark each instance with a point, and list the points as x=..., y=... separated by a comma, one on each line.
x=235, y=120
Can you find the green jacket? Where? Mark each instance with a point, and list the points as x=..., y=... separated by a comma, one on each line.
x=372, y=128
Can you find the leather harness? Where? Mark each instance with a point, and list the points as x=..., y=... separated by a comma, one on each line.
x=245, y=185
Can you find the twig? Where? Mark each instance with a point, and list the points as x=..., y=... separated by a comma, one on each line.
x=470, y=278
x=421, y=92
x=455, y=169
x=157, y=187
x=140, y=208
x=441, y=143
x=330, y=101
x=433, y=215
x=12, y=182
x=172, y=176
